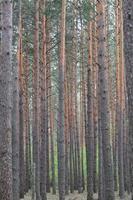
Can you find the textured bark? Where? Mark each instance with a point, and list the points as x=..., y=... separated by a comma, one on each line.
x=15, y=134
x=43, y=151
x=120, y=91
x=71, y=145
x=126, y=146
x=75, y=102
x=47, y=116
x=82, y=97
x=21, y=149
x=95, y=102
x=27, y=125
x=90, y=132
x=52, y=145
x=60, y=135
x=5, y=105
x=73, y=166
x=47, y=106
x=104, y=105
x=66, y=133
x=15, y=110
x=128, y=50
x=101, y=184
x=21, y=115
x=36, y=125
x=51, y=107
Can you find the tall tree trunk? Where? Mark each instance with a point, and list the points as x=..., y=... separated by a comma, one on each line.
x=15, y=110
x=52, y=144
x=60, y=136
x=66, y=133
x=95, y=101
x=90, y=132
x=128, y=50
x=104, y=105
x=21, y=115
x=43, y=166
x=5, y=105
x=27, y=123
x=36, y=125
x=119, y=100
x=82, y=97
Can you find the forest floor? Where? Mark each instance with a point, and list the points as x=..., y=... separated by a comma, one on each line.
x=74, y=196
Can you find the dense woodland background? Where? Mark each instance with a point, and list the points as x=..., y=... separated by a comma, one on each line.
x=66, y=99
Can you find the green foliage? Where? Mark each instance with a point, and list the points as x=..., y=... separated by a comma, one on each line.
x=88, y=8
x=53, y=8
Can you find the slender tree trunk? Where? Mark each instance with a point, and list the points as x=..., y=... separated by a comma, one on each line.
x=128, y=50
x=60, y=136
x=52, y=144
x=90, y=132
x=15, y=112
x=21, y=124
x=82, y=115
x=21, y=113
x=95, y=101
x=43, y=166
x=36, y=125
x=5, y=105
x=27, y=122
x=66, y=133
x=51, y=107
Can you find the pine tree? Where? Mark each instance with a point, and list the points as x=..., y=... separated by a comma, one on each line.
x=36, y=102
x=5, y=103
x=104, y=105
x=60, y=135
x=128, y=52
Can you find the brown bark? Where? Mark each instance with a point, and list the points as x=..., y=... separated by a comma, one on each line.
x=60, y=135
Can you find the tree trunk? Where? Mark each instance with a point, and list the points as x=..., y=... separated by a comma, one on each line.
x=60, y=135
x=104, y=105
x=15, y=109
x=43, y=151
x=36, y=125
x=90, y=132
x=5, y=105
x=128, y=50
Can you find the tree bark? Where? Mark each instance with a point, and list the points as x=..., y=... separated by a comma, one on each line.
x=104, y=104
x=128, y=50
x=36, y=125
x=60, y=135
x=5, y=103
x=90, y=131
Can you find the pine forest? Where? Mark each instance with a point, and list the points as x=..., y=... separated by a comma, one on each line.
x=66, y=99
